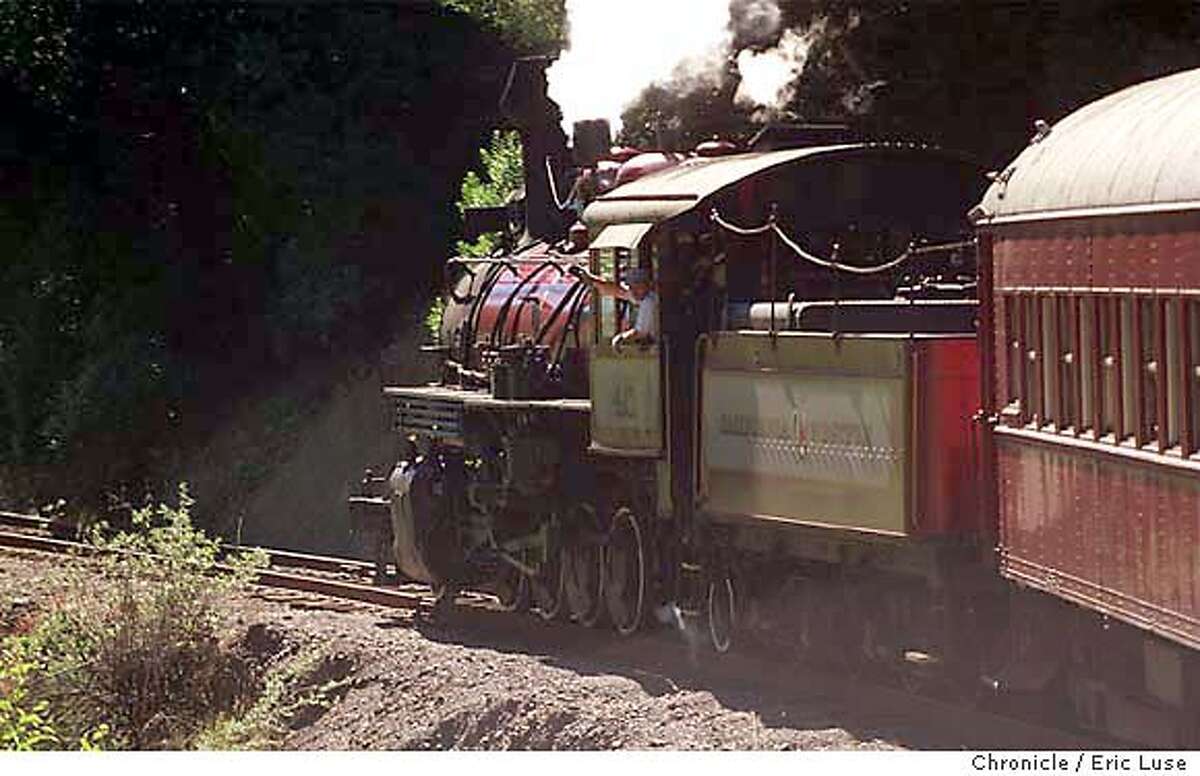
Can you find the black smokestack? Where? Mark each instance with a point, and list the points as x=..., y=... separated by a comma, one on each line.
x=537, y=118
x=591, y=141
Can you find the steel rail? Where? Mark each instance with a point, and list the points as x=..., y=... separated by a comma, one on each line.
x=27, y=541
x=301, y=560
x=334, y=588
x=282, y=558
x=18, y=520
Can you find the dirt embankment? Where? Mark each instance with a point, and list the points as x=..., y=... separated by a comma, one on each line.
x=278, y=470
x=439, y=687
x=343, y=676
x=335, y=675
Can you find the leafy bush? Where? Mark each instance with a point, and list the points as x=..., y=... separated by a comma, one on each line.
x=502, y=174
x=23, y=725
x=137, y=656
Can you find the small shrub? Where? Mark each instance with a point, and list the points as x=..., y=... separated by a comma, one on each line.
x=137, y=648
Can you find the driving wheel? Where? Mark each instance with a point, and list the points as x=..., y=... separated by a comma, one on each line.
x=625, y=572
x=549, y=589
x=722, y=612
x=583, y=573
x=512, y=590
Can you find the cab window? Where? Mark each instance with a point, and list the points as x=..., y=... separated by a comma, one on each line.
x=611, y=264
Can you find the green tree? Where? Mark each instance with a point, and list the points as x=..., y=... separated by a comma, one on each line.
x=500, y=176
x=196, y=196
x=531, y=26
x=36, y=55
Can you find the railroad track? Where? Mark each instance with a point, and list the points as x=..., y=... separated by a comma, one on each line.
x=30, y=522
x=278, y=558
x=344, y=579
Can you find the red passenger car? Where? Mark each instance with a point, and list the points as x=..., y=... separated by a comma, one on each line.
x=1090, y=278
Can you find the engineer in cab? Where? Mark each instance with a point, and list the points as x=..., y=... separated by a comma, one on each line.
x=636, y=289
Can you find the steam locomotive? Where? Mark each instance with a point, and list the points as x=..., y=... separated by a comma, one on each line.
x=891, y=426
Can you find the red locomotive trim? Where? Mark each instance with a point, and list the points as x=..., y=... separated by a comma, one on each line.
x=946, y=386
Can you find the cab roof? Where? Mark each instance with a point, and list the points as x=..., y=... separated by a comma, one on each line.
x=678, y=189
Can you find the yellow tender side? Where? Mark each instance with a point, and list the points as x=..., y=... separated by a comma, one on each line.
x=807, y=429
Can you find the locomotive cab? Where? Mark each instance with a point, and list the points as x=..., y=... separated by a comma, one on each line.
x=626, y=395
x=704, y=440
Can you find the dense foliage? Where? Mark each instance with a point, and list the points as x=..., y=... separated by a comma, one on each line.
x=197, y=197
x=496, y=182
x=24, y=726
x=499, y=178
x=532, y=26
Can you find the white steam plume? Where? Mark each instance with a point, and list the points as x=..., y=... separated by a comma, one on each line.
x=755, y=21
x=620, y=47
x=769, y=77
